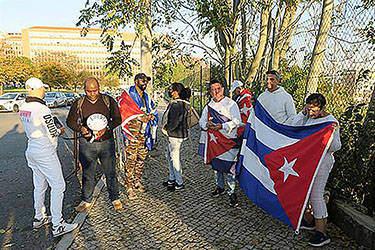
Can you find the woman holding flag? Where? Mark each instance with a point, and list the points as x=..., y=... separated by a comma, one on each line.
x=314, y=113
x=175, y=126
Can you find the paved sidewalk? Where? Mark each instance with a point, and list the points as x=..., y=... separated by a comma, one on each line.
x=188, y=219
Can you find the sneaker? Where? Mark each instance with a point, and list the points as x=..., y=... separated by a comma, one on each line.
x=176, y=187
x=218, y=191
x=63, y=228
x=132, y=195
x=82, y=206
x=179, y=187
x=319, y=239
x=307, y=226
x=233, y=200
x=39, y=223
x=169, y=183
x=117, y=205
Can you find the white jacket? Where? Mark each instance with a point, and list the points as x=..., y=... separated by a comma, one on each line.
x=39, y=125
x=279, y=104
x=228, y=108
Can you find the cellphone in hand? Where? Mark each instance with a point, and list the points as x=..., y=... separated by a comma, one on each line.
x=57, y=122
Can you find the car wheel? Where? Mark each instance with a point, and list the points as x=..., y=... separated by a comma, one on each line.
x=55, y=105
x=16, y=108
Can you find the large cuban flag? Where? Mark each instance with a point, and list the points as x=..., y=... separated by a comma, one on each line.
x=217, y=149
x=278, y=164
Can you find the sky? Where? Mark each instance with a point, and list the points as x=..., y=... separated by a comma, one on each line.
x=16, y=15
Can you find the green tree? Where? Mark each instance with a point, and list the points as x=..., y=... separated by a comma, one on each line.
x=55, y=75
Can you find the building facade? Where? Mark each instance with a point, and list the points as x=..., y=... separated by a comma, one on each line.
x=41, y=43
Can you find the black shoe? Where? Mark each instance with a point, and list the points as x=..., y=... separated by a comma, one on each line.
x=319, y=239
x=218, y=191
x=169, y=183
x=179, y=187
x=307, y=226
x=233, y=200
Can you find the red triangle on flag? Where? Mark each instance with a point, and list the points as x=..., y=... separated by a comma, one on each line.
x=292, y=169
x=217, y=144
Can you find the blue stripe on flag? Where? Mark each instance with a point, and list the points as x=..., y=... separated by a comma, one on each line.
x=256, y=146
x=296, y=132
x=221, y=166
x=216, y=116
x=260, y=195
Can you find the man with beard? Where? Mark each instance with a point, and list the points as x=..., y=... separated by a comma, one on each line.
x=140, y=132
x=93, y=109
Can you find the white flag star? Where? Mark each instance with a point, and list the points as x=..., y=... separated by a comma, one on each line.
x=245, y=109
x=287, y=169
x=212, y=137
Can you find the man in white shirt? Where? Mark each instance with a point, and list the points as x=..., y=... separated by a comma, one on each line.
x=278, y=103
x=41, y=156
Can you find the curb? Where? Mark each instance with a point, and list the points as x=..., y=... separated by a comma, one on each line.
x=67, y=239
x=357, y=225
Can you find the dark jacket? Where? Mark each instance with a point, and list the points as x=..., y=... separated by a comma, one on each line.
x=113, y=115
x=177, y=119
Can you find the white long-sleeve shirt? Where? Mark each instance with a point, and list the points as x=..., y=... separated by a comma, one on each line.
x=39, y=125
x=228, y=108
x=279, y=104
x=305, y=120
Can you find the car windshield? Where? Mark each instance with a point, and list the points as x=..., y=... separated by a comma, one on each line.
x=49, y=94
x=8, y=96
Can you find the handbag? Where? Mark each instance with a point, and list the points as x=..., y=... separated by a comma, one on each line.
x=192, y=117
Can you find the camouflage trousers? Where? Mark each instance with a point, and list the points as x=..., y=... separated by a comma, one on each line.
x=136, y=153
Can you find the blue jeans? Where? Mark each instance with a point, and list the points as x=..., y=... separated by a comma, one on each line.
x=173, y=156
x=88, y=156
x=231, y=181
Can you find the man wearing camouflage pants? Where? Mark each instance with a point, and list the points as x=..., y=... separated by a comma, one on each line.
x=142, y=130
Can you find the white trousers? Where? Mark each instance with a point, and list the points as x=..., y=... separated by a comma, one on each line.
x=318, y=204
x=47, y=171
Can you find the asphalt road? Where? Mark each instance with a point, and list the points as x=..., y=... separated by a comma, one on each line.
x=16, y=195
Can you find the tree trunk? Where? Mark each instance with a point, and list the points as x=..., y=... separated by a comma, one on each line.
x=146, y=46
x=284, y=35
x=319, y=48
x=262, y=40
x=275, y=34
x=289, y=35
x=243, y=37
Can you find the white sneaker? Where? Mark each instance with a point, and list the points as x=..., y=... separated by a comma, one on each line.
x=63, y=228
x=44, y=221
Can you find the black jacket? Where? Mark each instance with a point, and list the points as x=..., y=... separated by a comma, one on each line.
x=177, y=119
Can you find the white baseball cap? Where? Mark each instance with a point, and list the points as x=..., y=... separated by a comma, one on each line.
x=236, y=84
x=34, y=83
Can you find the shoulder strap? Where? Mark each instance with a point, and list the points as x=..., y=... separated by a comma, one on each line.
x=106, y=101
x=79, y=107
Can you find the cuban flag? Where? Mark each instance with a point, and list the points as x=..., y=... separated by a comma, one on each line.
x=129, y=110
x=216, y=148
x=278, y=164
x=244, y=104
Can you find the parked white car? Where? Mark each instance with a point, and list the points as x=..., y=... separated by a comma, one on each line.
x=12, y=101
x=55, y=99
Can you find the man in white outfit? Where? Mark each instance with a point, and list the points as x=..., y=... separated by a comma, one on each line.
x=41, y=156
x=278, y=103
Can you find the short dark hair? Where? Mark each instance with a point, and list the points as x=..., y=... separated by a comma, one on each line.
x=316, y=99
x=274, y=72
x=212, y=82
x=142, y=76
